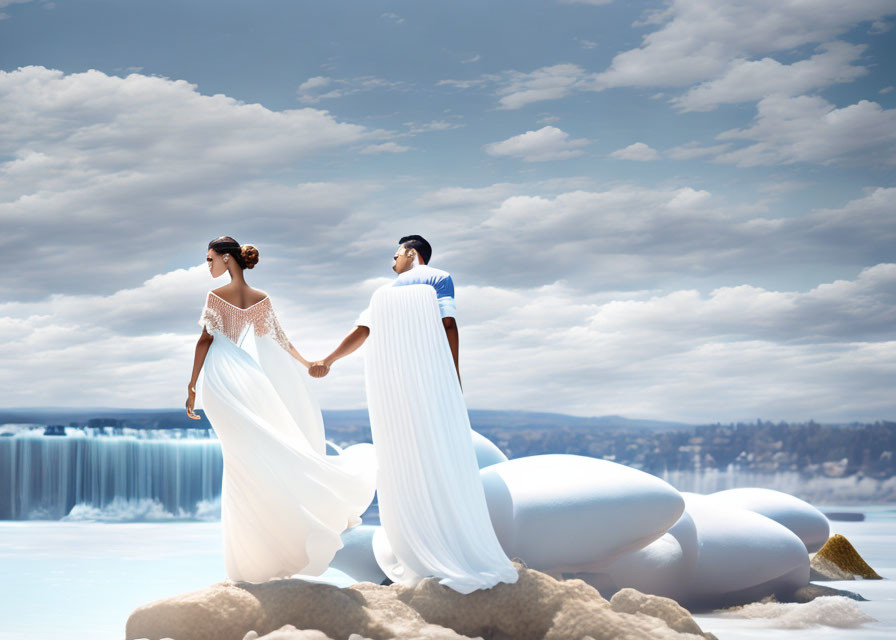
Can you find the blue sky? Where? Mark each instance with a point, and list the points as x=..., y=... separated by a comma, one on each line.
x=675, y=209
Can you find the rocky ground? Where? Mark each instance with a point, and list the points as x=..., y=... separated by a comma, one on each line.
x=536, y=607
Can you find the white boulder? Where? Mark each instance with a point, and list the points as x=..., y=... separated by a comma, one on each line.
x=807, y=522
x=487, y=452
x=356, y=557
x=743, y=556
x=563, y=513
x=666, y=567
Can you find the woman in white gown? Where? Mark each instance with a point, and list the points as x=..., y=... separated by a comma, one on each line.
x=284, y=501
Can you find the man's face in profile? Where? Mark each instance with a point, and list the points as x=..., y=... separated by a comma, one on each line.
x=404, y=259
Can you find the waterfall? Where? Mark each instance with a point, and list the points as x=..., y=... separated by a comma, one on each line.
x=44, y=477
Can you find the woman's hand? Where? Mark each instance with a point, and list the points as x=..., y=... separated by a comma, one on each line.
x=191, y=400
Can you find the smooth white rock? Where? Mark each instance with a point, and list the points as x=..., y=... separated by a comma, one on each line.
x=561, y=512
x=666, y=567
x=487, y=452
x=807, y=522
x=356, y=558
x=742, y=556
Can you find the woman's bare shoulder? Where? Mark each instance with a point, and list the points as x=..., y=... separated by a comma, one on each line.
x=257, y=295
x=240, y=297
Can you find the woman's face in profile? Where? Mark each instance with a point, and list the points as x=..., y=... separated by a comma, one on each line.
x=215, y=262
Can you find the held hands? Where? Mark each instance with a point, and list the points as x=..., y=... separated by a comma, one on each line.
x=318, y=369
x=191, y=400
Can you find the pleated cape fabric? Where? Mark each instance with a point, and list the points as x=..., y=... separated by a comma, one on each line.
x=435, y=520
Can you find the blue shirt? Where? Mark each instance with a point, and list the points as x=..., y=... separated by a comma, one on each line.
x=424, y=274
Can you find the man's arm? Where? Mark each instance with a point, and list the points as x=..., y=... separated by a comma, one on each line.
x=450, y=325
x=351, y=343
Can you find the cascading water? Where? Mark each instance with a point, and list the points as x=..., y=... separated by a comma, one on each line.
x=45, y=477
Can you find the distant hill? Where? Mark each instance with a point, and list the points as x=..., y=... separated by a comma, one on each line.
x=843, y=453
x=177, y=419
x=483, y=418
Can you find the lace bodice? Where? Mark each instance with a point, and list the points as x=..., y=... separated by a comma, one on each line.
x=230, y=320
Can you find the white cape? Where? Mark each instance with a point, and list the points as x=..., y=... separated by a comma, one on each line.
x=434, y=516
x=284, y=501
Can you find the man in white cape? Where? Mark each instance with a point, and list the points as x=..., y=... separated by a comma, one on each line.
x=434, y=516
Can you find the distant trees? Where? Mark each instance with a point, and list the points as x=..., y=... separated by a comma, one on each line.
x=833, y=450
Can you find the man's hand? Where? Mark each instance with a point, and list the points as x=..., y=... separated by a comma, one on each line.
x=318, y=369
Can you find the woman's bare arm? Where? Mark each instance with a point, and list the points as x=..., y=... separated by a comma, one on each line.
x=202, y=345
x=298, y=356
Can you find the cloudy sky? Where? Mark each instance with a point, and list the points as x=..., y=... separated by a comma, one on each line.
x=681, y=210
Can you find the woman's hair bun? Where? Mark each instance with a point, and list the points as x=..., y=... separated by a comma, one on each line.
x=250, y=255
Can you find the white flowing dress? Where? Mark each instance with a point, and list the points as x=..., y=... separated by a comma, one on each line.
x=435, y=520
x=284, y=501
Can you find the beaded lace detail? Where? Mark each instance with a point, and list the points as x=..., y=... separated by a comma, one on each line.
x=230, y=320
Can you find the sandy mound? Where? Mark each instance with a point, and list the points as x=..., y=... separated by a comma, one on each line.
x=838, y=560
x=535, y=607
x=831, y=611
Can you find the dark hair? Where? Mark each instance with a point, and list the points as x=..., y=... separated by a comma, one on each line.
x=246, y=255
x=419, y=244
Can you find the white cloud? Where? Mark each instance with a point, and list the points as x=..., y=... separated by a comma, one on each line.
x=693, y=149
x=697, y=40
x=687, y=355
x=466, y=84
x=750, y=80
x=434, y=125
x=711, y=44
x=866, y=224
x=139, y=119
x=880, y=26
x=517, y=89
x=315, y=83
x=547, y=83
x=545, y=144
x=591, y=2
x=679, y=354
x=394, y=17
x=810, y=129
x=780, y=187
x=385, y=147
x=472, y=59
x=887, y=90
x=669, y=352
x=89, y=159
x=628, y=236
x=637, y=151
x=106, y=181
x=460, y=197
x=862, y=309
x=134, y=347
x=318, y=88
x=6, y=3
